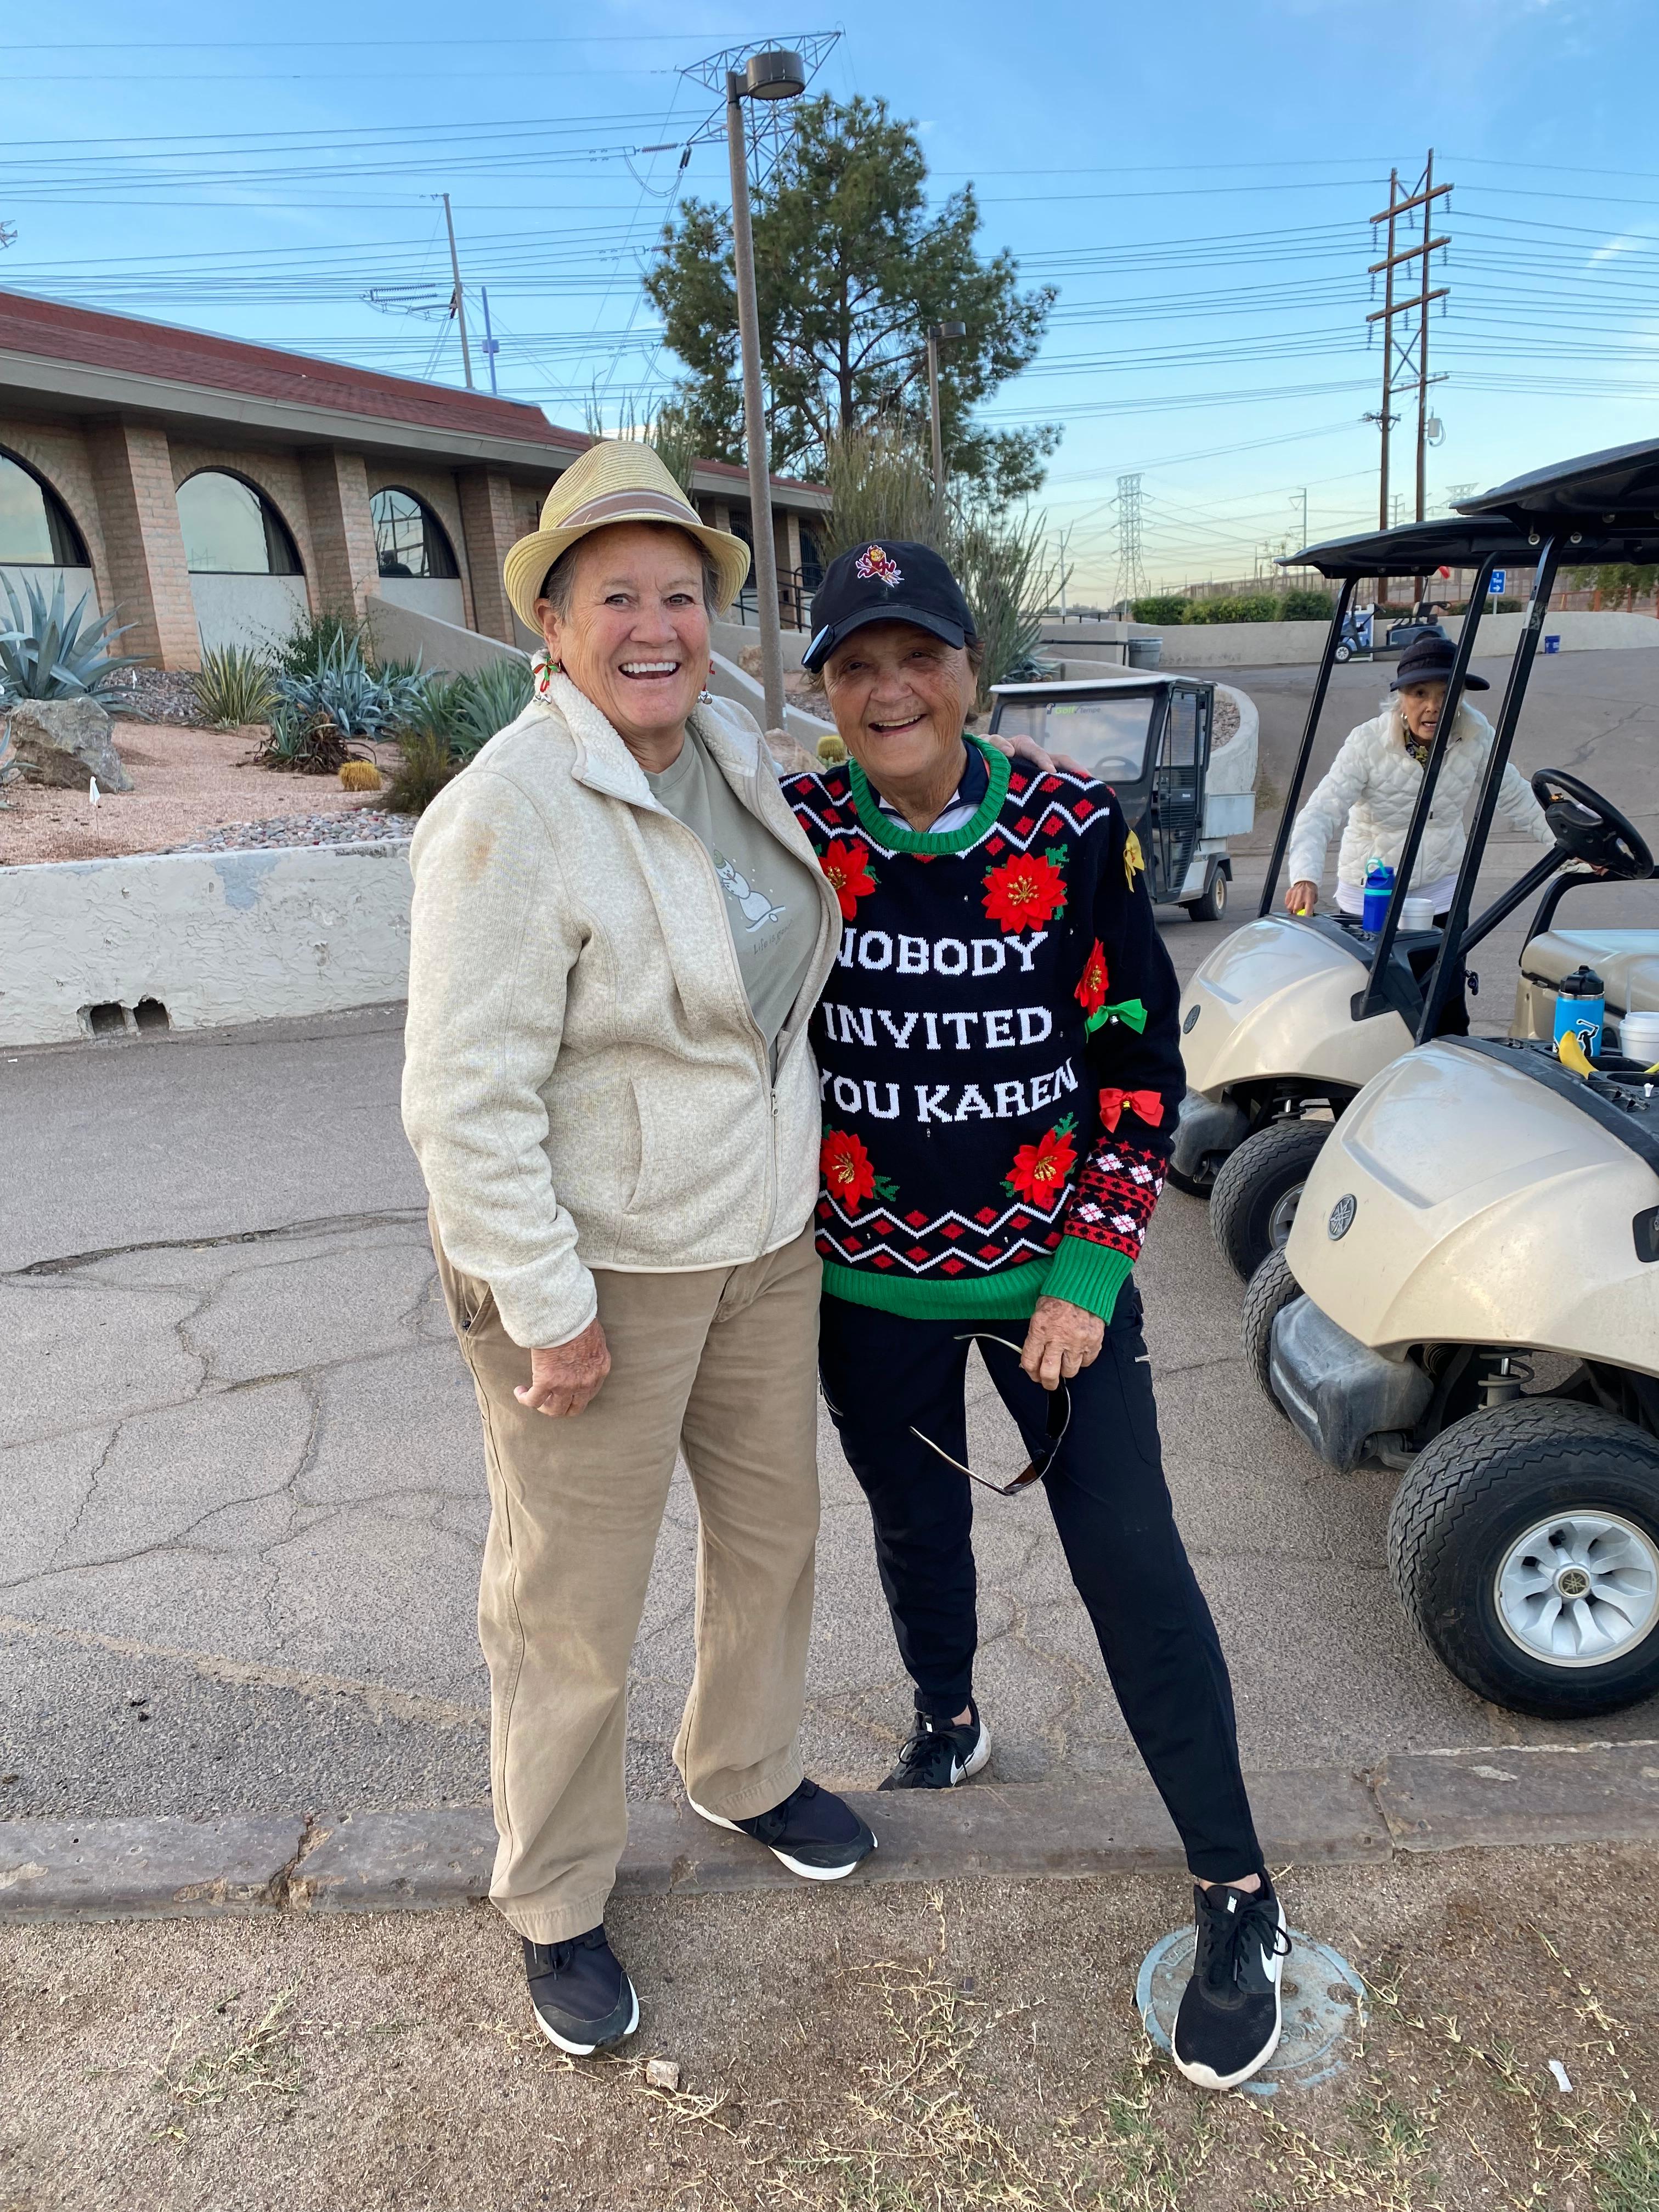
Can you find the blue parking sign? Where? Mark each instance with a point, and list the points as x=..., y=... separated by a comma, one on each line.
x=1499, y=578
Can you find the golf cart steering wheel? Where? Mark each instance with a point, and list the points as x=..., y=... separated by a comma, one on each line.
x=1589, y=826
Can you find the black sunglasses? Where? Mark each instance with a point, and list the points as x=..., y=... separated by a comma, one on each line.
x=1059, y=1419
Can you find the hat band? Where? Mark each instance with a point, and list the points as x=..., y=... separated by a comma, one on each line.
x=629, y=504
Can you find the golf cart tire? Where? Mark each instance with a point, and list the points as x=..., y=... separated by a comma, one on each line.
x=1271, y=1288
x=1470, y=1494
x=1254, y=1181
x=1344, y=653
x=1212, y=902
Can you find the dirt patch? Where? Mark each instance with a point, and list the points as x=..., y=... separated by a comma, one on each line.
x=870, y=2051
x=184, y=783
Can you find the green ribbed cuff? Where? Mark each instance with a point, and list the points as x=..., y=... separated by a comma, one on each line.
x=1088, y=1275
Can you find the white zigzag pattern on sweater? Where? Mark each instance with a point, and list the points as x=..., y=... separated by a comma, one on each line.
x=1043, y=805
x=980, y=1228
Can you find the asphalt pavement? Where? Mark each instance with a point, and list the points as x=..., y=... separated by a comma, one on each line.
x=240, y=1467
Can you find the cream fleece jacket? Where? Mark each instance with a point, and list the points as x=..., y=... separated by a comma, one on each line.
x=584, y=1084
x=1373, y=787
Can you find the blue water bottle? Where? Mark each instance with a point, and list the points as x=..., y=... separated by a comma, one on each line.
x=1580, y=1006
x=1379, y=890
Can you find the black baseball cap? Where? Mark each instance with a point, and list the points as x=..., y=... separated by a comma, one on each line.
x=894, y=581
x=1429, y=660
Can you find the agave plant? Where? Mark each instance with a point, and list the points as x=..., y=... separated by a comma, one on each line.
x=320, y=713
x=489, y=699
x=47, y=653
x=235, y=687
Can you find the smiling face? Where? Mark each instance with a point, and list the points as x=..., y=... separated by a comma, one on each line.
x=900, y=696
x=634, y=637
x=1420, y=705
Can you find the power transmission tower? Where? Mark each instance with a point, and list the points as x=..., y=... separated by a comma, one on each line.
x=1406, y=350
x=770, y=124
x=1131, y=575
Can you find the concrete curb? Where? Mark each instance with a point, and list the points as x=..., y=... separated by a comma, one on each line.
x=428, y=1858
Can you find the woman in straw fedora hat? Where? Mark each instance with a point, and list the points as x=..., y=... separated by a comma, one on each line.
x=619, y=936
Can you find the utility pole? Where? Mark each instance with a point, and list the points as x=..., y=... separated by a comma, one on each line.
x=492, y=345
x=458, y=298
x=1302, y=543
x=936, y=333
x=1406, y=357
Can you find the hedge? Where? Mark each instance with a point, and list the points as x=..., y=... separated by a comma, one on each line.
x=1168, y=609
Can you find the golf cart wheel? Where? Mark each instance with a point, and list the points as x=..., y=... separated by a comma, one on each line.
x=1257, y=1190
x=1212, y=903
x=1344, y=653
x=1524, y=1544
x=1272, y=1287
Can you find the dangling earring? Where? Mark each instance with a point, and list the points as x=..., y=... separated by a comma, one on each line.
x=705, y=697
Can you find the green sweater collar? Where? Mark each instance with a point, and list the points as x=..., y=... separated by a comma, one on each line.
x=896, y=837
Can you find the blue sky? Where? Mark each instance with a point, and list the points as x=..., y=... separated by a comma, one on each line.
x=1197, y=181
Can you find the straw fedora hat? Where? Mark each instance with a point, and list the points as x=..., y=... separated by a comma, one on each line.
x=617, y=480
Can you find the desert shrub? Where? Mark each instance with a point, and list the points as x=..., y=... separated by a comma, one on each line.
x=320, y=713
x=315, y=640
x=48, y=653
x=426, y=762
x=1165, y=608
x=1306, y=605
x=234, y=686
x=487, y=700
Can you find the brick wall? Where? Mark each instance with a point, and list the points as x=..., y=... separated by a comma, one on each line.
x=342, y=529
x=493, y=515
x=277, y=475
x=437, y=488
x=143, y=545
x=59, y=454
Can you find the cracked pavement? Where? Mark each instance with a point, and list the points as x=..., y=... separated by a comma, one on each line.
x=240, y=1476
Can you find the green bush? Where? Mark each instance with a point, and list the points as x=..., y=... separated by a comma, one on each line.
x=1167, y=608
x=1306, y=605
x=487, y=701
x=426, y=762
x=1258, y=607
x=235, y=687
x=315, y=640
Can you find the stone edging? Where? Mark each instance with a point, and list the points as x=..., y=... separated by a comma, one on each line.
x=427, y=1858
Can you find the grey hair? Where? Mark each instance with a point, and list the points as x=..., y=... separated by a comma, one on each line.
x=560, y=581
x=1464, y=726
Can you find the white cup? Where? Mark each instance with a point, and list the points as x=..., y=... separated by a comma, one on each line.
x=1638, y=1039
x=1417, y=913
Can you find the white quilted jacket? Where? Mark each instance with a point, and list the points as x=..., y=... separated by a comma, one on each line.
x=1373, y=787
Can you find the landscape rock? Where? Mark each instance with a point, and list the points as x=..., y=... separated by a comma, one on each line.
x=65, y=742
x=662, y=2074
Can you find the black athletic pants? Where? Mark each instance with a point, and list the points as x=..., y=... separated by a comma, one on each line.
x=885, y=1373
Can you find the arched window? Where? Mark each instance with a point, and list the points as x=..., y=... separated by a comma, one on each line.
x=409, y=538
x=35, y=529
x=232, y=529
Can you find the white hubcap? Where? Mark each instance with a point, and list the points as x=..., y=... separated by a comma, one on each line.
x=1579, y=1590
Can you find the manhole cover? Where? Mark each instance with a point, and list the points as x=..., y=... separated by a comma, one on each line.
x=1324, y=2003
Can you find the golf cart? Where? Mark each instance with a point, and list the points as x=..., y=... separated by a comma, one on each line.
x=1283, y=1024
x=1470, y=1288
x=1149, y=736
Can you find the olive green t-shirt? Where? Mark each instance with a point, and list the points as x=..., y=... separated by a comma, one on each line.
x=771, y=899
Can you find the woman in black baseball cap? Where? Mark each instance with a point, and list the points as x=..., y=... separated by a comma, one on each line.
x=1370, y=794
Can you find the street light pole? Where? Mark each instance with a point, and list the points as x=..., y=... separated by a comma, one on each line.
x=769, y=76
x=458, y=296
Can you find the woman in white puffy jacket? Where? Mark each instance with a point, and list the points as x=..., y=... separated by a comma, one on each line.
x=1373, y=785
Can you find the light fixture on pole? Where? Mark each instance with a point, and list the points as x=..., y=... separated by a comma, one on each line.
x=779, y=75
x=937, y=334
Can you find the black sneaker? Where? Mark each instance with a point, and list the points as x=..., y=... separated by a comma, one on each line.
x=813, y=1832
x=1229, y=2021
x=583, y=1999
x=938, y=1754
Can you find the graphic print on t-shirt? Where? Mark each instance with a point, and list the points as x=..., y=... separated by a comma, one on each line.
x=756, y=908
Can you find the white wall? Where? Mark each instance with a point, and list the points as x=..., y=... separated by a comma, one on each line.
x=252, y=610
x=441, y=596
x=217, y=938
x=77, y=583
x=401, y=632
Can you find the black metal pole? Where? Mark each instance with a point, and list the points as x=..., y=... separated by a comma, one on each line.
x=1372, y=1000
x=1447, y=966
x=1315, y=707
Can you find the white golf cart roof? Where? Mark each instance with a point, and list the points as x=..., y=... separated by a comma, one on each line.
x=1109, y=679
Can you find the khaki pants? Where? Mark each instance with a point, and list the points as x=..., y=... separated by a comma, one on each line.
x=720, y=1364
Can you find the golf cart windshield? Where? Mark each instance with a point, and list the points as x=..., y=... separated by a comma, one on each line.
x=1108, y=735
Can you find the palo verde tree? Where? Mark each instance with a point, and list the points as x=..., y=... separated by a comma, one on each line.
x=850, y=269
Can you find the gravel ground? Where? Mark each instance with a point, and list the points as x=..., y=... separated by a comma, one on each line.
x=366, y=825
x=188, y=784
x=890, y=2050
x=162, y=695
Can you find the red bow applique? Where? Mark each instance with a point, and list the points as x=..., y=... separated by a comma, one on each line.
x=1146, y=1103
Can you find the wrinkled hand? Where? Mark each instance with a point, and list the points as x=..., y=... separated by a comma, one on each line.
x=565, y=1377
x=1062, y=1338
x=1302, y=898
x=1028, y=748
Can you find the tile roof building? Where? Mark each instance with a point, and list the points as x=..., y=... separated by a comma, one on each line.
x=211, y=491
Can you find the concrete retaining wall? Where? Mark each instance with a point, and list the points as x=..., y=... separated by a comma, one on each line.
x=213, y=938
x=1279, y=645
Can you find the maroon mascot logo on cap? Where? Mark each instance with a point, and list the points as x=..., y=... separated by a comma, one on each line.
x=878, y=563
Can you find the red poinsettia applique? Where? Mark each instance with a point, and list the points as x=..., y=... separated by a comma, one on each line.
x=1040, y=1170
x=847, y=867
x=1027, y=890
x=1091, y=992
x=848, y=1170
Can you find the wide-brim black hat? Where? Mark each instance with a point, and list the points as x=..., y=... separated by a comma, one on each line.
x=897, y=581
x=1429, y=660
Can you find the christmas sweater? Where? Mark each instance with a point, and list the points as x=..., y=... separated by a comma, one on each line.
x=997, y=1046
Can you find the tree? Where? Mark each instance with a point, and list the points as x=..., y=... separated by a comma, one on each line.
x=850, y=269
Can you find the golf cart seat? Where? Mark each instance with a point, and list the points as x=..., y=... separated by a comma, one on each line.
x=1627, y=960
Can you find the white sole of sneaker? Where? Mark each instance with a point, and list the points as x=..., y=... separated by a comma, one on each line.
x=1204, y=2077
x=587, y=2049
x=976, y=1758
x=795, y=1866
